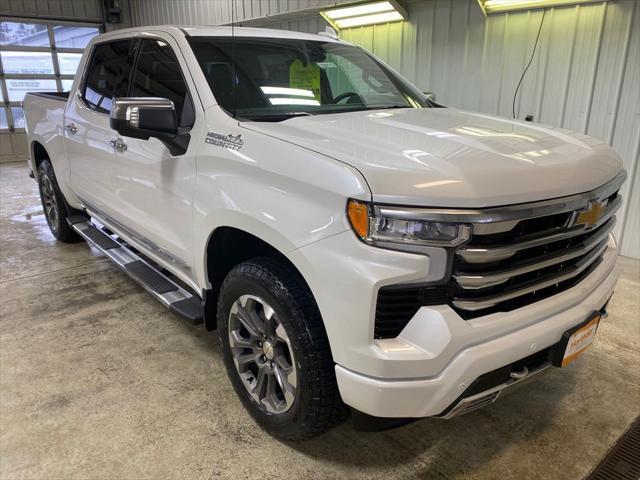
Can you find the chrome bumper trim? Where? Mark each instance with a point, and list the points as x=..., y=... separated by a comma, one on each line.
x=489, y=396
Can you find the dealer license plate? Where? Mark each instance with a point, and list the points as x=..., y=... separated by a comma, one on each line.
x=580, y=340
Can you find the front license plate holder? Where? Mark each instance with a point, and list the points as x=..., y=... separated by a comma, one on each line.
x=575, y=341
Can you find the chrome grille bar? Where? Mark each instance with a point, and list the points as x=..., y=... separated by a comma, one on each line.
x=483, y=280
x=497, y=253
x=481, y=303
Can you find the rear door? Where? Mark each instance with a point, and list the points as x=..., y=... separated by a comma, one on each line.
x=153, y=190
x=88, y=137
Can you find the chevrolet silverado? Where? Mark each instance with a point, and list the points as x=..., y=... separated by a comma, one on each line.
x=358, y=247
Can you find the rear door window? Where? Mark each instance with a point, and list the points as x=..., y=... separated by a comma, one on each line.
x=158, y=74
x=104, y=75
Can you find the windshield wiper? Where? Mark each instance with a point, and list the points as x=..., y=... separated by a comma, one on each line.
x=387, y=107
x=276, y=117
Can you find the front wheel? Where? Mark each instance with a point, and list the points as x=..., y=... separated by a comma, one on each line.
x=54, y=204
x=276, y=351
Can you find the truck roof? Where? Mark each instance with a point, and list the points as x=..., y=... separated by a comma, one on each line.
x=223, y=31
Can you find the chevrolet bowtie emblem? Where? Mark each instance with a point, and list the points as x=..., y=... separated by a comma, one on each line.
x=591, y=216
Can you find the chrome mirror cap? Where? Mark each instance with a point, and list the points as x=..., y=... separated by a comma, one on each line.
x=127, y=109
x=147, y=117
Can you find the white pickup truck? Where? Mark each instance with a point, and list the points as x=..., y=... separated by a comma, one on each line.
x=357, y=246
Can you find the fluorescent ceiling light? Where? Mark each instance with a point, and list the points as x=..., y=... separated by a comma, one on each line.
x=365, y=9
x=369, y=20
x=498, y=6
x=364, y=14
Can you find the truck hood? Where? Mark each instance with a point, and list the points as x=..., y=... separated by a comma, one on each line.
x=451, y=158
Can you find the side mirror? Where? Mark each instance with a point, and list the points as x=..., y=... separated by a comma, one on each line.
x=430, y=96
x=146, y=117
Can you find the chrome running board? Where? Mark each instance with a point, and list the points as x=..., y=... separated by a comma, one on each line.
x=172, y=295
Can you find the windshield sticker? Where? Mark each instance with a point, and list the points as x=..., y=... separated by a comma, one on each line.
x=305, y=77
x=230, y=141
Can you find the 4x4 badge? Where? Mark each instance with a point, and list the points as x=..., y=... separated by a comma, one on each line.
x=230, y=141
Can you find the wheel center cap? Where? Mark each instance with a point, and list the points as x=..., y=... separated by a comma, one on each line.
x=267, y=349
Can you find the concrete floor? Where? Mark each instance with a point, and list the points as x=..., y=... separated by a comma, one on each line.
x=98, y=380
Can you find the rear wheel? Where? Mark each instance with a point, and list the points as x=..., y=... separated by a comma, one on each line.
x=276, y=351
x=54, y=204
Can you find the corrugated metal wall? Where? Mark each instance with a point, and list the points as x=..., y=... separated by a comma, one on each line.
x=213, y=12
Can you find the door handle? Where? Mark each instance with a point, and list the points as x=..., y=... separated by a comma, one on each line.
x=118, y=145
x=71, y=128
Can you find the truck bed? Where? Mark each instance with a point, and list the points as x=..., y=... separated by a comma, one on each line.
x=44, y=115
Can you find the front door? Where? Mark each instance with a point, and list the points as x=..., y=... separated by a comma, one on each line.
x=153, y=190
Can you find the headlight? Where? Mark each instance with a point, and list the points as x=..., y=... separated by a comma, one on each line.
x=389, y=227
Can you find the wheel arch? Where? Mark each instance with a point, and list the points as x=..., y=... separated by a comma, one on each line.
x=227, y=247
x=38, y=154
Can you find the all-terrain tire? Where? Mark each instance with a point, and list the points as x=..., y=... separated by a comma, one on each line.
x=55, y=207
x=317, y=405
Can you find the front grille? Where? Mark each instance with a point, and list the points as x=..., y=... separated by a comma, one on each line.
x=516, y=256
x=524, y=264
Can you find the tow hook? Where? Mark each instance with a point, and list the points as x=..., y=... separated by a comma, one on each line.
x=519, y=375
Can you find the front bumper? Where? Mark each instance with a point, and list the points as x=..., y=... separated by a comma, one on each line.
x=438, y=354
x=413, y=398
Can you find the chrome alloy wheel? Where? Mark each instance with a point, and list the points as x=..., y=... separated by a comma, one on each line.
x=49, y=201
x=262, y=353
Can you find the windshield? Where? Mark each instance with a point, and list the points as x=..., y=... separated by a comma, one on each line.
x=278, y=78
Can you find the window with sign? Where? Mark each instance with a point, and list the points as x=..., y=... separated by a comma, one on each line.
x=37, y=57
x=274, y=79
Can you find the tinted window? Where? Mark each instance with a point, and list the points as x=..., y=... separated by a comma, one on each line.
x=104, y=74
x=275, y=78
x=158, y=74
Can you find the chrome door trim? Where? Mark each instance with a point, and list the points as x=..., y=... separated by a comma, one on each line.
x=107, y=220
x=71, y=128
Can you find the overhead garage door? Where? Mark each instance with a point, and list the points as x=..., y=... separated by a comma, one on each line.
x=35, y=55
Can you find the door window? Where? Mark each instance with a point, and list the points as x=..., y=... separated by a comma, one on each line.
x=158, y=74
x=104, y=74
